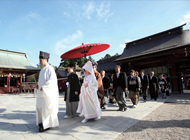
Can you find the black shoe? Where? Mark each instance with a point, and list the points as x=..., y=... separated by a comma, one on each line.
x=155, y=99
x=124, y=109
x=40, y=125
x=103, y=107
x=119, y=110
x=42, y=130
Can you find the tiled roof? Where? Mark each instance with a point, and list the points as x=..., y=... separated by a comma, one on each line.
x=107, y=64
x=15, y=60
x=167, y=40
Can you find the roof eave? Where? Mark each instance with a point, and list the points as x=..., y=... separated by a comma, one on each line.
x=155, y=34
x=144, y=54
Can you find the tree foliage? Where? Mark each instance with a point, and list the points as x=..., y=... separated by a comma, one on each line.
x=80, y=61
x=107, y=56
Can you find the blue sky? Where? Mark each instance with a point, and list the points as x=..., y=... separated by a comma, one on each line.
x=56, y=26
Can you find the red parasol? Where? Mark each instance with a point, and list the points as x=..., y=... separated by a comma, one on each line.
x=85, y=50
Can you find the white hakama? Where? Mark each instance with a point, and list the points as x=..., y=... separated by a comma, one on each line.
x=47, y=100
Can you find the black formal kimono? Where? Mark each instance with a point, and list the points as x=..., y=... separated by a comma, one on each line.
x=119, y=84
x=163, y=85
x=133, y=86
x=153, y=87
x=144, y=84
x=104, y=100
x=71, y=99
x=162, y=82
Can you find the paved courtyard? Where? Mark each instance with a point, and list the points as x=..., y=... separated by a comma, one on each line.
x=18, y=122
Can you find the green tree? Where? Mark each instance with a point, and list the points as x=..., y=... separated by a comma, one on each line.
x=31, y=78
x=80, y=61
x=90, y=59
x=107, y=56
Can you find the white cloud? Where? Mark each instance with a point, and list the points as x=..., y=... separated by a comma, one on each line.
x=185, y=19
x=66, y=14
x=25, y=51
x=32, y=15
x=89, y=10
x=123, y=45
x=106, y=19
x=68, y=42
x=128, y=40
x=102, y=11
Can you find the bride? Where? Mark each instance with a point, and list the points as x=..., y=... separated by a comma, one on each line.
x=89, y=106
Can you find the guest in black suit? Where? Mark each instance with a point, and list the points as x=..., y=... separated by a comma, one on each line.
x=144, y=85
x=153, y=86
x=105, y=80
x=119, y=87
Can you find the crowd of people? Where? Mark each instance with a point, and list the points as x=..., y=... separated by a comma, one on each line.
x=88, y=98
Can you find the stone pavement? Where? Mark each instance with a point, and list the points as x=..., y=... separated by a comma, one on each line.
x=18, y=122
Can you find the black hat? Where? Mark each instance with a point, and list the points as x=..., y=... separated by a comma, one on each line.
x=71, y=65
x=44, y=55
x=94, y=63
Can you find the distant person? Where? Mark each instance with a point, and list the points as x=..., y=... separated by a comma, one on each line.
x=134, y=88
x=47, y=100
x=18, y=84
x=144, y=85
x=100, y=91
x=119, y=87
x=163, y=91
x=137, y=75
x=188, y=84
x=153, y=86
x=111, y=93
x=168, y=85
x=104, y=100
x=162, y=85
x=89, y=106
x=72, y=92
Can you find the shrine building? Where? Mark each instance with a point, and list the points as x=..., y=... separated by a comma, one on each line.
x=14, y=70
x=165, y=53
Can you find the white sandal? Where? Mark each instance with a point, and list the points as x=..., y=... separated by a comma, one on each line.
x=84, y=121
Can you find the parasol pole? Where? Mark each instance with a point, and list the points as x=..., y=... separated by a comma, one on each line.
x=85, y=58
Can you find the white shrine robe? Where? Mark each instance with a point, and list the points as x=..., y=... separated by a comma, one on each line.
x=47, y=100
x=88, y=104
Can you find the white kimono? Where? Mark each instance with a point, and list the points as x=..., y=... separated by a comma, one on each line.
x=47, y=100
x=88, y=104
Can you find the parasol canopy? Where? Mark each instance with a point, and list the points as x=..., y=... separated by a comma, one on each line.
x=85, y=50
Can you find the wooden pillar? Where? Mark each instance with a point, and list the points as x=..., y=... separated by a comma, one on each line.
x=27, y=79
x=131, y=65
x=21, y=84
x=174, y=76
x=184, y=81
x=7, y=84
